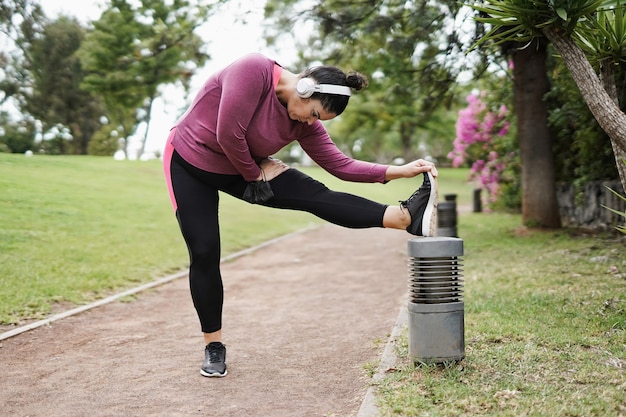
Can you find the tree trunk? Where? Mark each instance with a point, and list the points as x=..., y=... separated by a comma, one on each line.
x=607, y=78
x=606, y=111
x=148, y=119
x=539, y=202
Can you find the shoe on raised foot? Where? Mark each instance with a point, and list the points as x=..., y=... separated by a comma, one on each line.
x=422, y=206
x=214, y=360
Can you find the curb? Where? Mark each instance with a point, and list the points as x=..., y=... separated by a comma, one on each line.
x=369, y=408
x=156, y=283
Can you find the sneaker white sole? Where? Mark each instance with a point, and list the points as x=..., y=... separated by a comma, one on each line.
x=429, y=220
x=213, y=375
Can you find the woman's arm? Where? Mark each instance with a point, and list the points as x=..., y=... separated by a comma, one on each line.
x=325, y=153
x=318, y=145
x=410, y=170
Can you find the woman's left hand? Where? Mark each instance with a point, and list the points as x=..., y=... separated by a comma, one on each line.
x=272, y=168
x=410, y=170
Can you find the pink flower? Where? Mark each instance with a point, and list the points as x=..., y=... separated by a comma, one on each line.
x=476, y=128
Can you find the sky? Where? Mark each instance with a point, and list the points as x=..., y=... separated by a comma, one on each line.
x=227, y=40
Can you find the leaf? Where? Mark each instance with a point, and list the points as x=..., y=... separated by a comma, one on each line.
x=619, y=213
x=562, y=13
x=616, y=193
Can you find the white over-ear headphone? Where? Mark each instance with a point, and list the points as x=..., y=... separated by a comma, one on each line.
x=306, y=87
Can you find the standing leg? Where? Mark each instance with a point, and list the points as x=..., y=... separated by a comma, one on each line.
x=196, y=202
x=198, y=219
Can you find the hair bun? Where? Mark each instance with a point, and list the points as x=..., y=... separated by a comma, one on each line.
x=356, y=80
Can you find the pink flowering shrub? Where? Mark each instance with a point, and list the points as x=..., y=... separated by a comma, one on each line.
x=479, y=143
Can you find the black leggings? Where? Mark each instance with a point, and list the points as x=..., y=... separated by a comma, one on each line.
x=194, y=194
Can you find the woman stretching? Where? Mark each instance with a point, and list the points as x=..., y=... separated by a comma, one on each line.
x=244, y=114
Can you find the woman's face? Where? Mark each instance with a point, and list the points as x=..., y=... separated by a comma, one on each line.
x=306, y=110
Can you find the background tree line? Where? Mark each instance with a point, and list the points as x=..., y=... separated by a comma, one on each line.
x=419, y=48
x=87, y=89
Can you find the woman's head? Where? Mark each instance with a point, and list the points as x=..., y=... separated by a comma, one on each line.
x=334, y=103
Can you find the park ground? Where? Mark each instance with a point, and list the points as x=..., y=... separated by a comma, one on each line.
x=306, y=319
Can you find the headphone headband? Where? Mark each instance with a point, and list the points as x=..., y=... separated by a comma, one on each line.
x=306, y=87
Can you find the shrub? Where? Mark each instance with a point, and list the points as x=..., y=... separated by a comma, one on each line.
x=483, y=143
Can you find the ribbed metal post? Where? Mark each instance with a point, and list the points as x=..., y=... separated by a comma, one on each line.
x=436, y=308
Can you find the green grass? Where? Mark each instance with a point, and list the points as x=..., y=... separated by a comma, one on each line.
x=545, y=328
x=74, y=229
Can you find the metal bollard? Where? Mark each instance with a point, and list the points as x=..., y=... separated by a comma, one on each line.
x=447, y=217
x=436, y=308
x=478, y=203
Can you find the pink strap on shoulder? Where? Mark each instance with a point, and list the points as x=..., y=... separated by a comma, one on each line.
x=278, y=70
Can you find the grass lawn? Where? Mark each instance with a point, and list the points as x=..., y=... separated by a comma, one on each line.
x=545, y=329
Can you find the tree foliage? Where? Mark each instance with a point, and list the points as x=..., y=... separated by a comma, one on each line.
x=16, y=136
x=42, y=77
x=20, y=24
x=584, y=149
x=134, y=50
x=57, y=97
x=408, y=49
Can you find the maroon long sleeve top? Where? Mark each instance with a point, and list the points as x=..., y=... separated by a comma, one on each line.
x=236, y=120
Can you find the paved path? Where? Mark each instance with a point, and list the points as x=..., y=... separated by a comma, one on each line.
x=302, y=317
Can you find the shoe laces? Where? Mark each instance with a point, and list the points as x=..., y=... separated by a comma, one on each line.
x=408, y=201
x=405, y=203
x=215, y=354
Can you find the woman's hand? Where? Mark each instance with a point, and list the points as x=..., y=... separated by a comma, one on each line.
x=410, y=170
x=271, y=168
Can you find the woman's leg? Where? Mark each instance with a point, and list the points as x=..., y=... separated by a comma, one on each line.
x=197, y=214
x=297, y=191
x=204, y=275
x=195, y=198
x=396, y=218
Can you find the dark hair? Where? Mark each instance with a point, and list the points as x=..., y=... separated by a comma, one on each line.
x=335, y=103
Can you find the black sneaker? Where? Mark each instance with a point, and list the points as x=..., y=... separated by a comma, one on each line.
x=214, y=360
x=422, y=206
